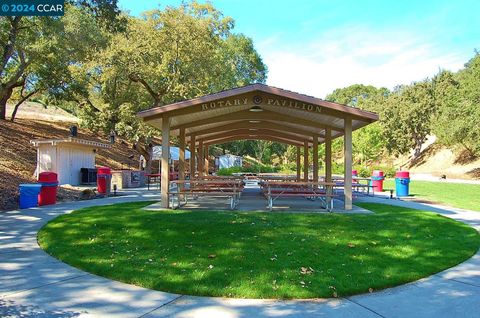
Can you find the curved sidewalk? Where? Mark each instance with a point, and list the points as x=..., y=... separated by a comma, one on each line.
x=33, y=284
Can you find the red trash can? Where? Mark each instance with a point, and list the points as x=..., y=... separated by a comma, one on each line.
x=377, y=180
x=48, y=193
x=104, y=180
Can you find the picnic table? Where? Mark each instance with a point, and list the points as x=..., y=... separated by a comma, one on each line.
x=153, y=178
x=359, y=184
x=181, y=190
x=272, y=190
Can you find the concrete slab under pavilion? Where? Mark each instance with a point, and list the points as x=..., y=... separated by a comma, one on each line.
x=257, y=112
x=252, y=200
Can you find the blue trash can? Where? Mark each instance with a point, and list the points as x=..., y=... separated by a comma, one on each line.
x=402, y=182
x=29, y=195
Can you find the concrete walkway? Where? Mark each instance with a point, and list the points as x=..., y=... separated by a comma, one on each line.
x=33, y=284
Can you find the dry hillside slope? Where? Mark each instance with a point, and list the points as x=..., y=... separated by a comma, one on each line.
x=18, y=156
x=437, y=160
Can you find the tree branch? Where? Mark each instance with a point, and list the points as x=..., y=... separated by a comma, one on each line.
x=12, y=38
x=21, y=101
x=156, y=96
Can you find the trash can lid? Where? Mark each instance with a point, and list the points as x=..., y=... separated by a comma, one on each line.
x=47, y=176
x=30, y=185
x=29, y=189
x=104, y=170
x=402, y=174
x=377, y=173
x=49, y=184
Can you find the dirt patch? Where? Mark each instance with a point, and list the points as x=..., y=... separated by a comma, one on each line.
x=474, y=173
x=18, y=157
x=465, y=157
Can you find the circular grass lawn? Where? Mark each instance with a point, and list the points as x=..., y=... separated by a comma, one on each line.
x=259, y=255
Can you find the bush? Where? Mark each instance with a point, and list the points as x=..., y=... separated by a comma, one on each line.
x=388, y=171
x=288, y=168
x=337, y=168
x=229, y=171
x=254, y=168
x=364, y=172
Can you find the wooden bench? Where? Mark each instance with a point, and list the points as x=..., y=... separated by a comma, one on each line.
x=310, y=190
x=205, y=188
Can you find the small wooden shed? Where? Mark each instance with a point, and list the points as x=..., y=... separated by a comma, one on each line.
x=66, y=157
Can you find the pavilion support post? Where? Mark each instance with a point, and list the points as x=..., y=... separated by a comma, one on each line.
x=328, y=162
x=201, y=162
x=315, y=158
x=305, y=161
x=298, y=163
x=206, y=160
x=328, y=155
x=181, y=157
x=192, y=157
x=348, y=163
x=165, y=164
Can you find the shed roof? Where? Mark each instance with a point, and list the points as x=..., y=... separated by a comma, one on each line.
x=70, y=141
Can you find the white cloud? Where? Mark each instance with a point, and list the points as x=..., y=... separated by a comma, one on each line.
x=349, y=56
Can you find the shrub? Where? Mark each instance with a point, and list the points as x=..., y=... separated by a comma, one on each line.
x=364, y=172
x=337, y=168
x=254, y=168
x=229, y=171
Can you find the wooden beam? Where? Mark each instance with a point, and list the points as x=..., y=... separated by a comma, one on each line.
x=165, y=174
x=181, y=156
x=328, y=161
x=248, y=137
x=192, y=156
x=315, y=158
x=206, y=160
x=305, y=161
x=245, y=124
x=266, y=132
x=264, y=115
x=298, y=163
x=201, y=162
x=258, y=137
x=328, y=155
x=348, y=164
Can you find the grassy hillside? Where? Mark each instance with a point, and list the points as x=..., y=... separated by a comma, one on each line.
x=18, y=156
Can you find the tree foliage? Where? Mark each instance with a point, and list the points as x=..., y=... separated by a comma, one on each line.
x=355, y=95
x=407, y=117
x=38, y=53
x=166, y=56
x=458, y=99
x=368, y=142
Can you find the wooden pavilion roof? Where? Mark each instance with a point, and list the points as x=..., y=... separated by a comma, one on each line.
x=281, y=115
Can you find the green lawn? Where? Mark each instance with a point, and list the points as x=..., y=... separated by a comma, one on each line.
x=464, y=196
x=259, y=255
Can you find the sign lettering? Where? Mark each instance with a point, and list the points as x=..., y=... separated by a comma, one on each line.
x=278, y=102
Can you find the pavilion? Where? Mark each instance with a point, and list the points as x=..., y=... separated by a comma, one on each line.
x=258, y=112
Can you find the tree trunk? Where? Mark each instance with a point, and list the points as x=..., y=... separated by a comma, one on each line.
x=3, y=108
x=147, y=153
x=417, y=149
x=5, y=94
x=148, y=165
x=20, y=102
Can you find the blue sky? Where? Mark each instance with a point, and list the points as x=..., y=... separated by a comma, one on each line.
x=314, y=47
